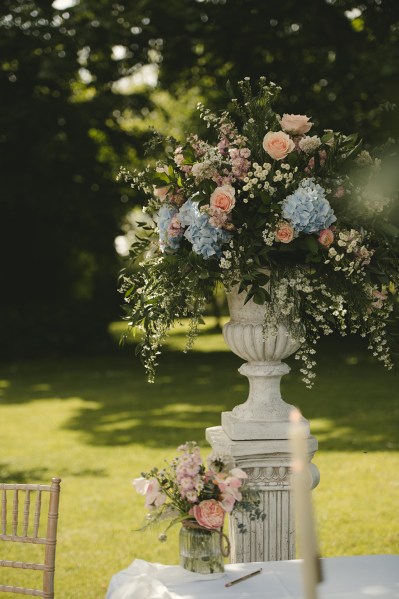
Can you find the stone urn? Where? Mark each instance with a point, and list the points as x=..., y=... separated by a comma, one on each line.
x=256, y=434
x=264, y=408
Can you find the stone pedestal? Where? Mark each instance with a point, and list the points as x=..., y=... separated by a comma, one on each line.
x=267, y=463
x=256, y=434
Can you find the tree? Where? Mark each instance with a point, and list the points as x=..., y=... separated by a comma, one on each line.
x=60, y=148
x=66, y=90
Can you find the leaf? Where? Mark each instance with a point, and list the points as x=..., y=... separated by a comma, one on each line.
x=312, y=244
x=327, y=137
x=160, y=181
x=259, y=297
x=262, y=279
x=138, y=348
x=389, y=229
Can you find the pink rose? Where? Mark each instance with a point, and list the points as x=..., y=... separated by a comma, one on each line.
x=278, y=144
x=284, y=232
x=223, y=198
x=326, y=237
x=295, y=123
x=209, y=514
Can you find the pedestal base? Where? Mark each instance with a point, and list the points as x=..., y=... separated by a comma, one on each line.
x=239, y=429
x=267, y=463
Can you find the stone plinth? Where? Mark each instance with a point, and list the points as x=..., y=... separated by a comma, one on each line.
x=267, y=463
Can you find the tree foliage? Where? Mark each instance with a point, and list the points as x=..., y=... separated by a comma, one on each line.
x=69, y=80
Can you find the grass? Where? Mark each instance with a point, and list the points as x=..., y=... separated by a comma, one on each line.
x=98, y=424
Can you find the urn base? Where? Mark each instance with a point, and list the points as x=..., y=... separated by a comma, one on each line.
x=238, y=429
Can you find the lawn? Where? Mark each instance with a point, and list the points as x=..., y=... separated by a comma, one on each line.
x=97, y=424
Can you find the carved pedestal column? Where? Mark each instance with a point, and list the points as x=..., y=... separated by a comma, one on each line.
x=267, y=463
x=256, y=435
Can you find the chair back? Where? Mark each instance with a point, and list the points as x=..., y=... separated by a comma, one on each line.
x=21, y=510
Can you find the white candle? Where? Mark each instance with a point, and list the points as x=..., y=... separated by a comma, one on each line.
x=303, y=504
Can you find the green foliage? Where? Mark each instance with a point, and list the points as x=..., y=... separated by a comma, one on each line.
x=74, y=105
x=274, y=226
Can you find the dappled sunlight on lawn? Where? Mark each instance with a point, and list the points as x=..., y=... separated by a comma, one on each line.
x=209, y=337
x=98, y=424
x=352, y=407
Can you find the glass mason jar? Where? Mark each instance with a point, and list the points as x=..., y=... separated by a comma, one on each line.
x=201, y=550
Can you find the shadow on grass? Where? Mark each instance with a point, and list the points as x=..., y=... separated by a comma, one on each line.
x=43, y=475
x=353, y=406
x=9, y=474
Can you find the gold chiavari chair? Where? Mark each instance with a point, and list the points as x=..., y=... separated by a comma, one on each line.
x=22, y=506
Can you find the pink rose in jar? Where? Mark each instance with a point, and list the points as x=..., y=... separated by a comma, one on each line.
x=284, y=232
x=278, y=144
x=297, y=124
x=209, y=514
x=223, y=198
x=326, y=237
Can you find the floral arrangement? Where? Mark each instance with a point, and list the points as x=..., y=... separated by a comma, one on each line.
x=188, y=492
x=299, y=220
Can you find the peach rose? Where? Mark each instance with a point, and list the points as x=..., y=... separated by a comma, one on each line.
x=295, y=123
x=326, y=237
x=209, y=514
x=161, y=192
x=223, y=198
x=284, y=232
x=278, y=144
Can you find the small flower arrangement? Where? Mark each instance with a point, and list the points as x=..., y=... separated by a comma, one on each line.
x=299, y=220
x=188, y=492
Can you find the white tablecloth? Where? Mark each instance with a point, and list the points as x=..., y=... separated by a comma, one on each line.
x=371, y=576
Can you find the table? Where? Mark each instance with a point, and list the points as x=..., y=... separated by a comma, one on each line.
x=370, y=576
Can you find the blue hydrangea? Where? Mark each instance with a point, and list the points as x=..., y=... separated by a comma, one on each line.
x=165, y=215
x=205, y=239
x=308, y=208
